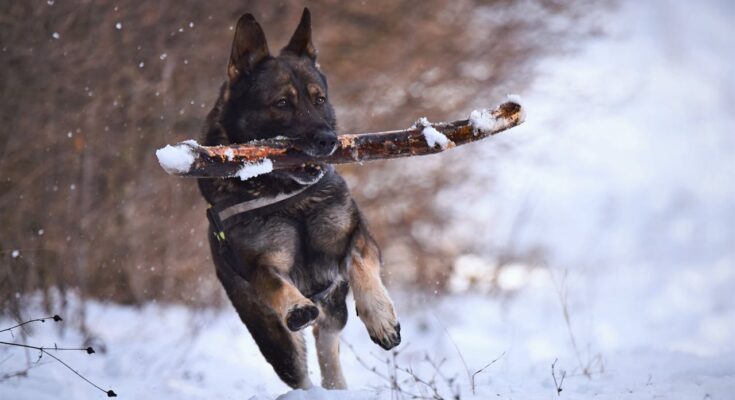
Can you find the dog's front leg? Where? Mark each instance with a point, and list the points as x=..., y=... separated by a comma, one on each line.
x=292, y=308
x=374, y=306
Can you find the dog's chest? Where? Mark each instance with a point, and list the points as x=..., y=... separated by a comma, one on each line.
x=326, y=215
x=326, y=224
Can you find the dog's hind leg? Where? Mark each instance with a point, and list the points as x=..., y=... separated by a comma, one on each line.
x=326, y=333
x=327, y=350
x=374, y=306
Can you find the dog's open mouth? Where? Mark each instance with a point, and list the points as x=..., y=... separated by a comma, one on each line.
x=307, y=173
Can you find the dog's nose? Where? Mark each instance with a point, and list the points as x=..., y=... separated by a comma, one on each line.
x=325, y=142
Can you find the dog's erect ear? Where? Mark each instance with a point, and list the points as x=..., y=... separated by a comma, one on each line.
x=248, y=48
x=300, y=43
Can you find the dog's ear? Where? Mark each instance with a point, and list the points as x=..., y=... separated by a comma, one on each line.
x=300, y=43
x=248, y=48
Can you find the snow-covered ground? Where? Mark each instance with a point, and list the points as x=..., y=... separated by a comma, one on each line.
x=639, y=340
x=623, y=174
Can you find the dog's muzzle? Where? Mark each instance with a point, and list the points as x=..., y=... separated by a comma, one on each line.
x=322, y=144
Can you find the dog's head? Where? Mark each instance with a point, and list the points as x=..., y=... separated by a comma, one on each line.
x=285, y=95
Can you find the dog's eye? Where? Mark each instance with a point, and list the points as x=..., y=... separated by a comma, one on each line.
x=320, y=100
x=281, y=103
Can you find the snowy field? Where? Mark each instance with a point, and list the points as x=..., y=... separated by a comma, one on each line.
x=624, y=173
x=653, y=338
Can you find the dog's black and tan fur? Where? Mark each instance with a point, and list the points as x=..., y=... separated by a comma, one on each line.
x=306, y=243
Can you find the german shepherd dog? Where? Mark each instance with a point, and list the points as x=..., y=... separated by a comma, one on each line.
x=298, y=257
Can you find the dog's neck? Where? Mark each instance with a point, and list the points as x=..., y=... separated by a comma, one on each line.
x=262, y=190
x=261, y=202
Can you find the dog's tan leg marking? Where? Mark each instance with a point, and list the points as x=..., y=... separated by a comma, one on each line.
x=327, y=351
x=284, y=298
x=374, y=306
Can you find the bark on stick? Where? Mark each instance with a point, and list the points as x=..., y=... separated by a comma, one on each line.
x=253, y=158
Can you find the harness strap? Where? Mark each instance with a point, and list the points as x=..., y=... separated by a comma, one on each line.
x=250, y=205
x=218, y=214
x=223, y=246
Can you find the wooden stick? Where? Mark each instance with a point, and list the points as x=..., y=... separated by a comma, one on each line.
x=253, y=158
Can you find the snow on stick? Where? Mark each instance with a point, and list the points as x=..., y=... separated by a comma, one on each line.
x=254, y=158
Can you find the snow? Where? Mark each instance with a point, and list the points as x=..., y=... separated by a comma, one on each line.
x=421, y=122
x=433, y=137
x=515, y=98
x=483, y=121
x=229, y=154
x=651, y=341
x=317, y=393
x=177, y=158
x=251, y=170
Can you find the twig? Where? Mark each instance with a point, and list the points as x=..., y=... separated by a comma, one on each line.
x=363, y=363
x=431, y=385
x=56, y=318
x=560, y=382
x=461, y=357
x=396, y=384
x=89, y=350
x=109, y=393
x=561, y=292
x=472, y=379
x=45, y=350
x=20, y=373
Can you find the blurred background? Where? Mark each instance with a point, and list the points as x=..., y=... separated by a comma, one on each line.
x=92, y=88
x=614, y=203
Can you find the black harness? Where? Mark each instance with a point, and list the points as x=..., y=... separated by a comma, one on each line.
x=224, y=214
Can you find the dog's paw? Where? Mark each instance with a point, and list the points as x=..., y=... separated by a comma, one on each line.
x=382, y=325
x=390, y=339
x=302, y=316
